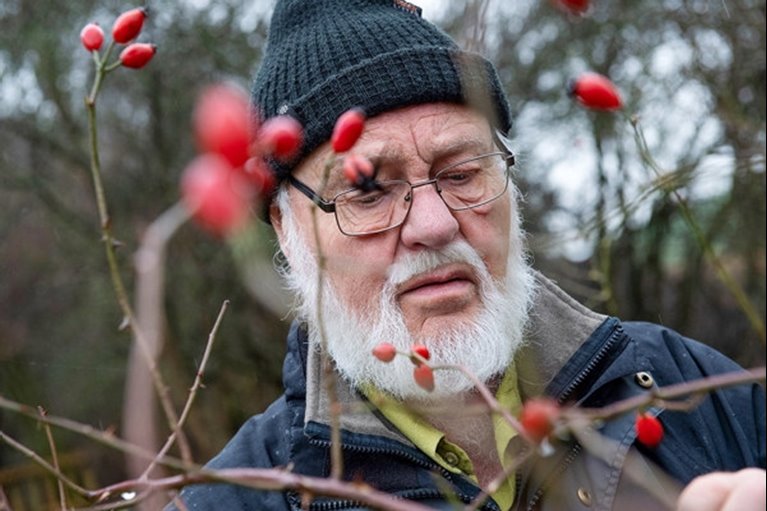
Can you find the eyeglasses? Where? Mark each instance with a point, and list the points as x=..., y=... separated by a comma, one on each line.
x=463, y=185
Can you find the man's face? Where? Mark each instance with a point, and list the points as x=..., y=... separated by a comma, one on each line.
x=412, y=144
x=455, y=281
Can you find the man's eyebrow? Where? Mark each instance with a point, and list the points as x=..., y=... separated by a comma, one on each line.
x=463, y=144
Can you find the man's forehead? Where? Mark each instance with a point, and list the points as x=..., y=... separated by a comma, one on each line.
x=438, y=124
x=428, y=132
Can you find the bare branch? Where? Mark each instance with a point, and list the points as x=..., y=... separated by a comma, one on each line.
x=55, y=459
x=36, y=458
x=192, y=393
x=671, y=392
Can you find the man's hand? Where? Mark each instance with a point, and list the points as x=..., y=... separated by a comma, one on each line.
x=726, y=491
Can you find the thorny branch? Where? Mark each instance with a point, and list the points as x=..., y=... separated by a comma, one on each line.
x=192, y=393
x=281, y=479
x=665, y=396
x=54, y=459
x=110, y=243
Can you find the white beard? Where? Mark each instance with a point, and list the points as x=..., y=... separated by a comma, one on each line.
x=485, y=345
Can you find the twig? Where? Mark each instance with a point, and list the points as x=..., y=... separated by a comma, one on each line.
x=496, y=482
x=336, y=456
x=263, y=479
x=495, y=407
x=110, y=242
x=55, y=459
x=54, y=471
x=730, y=283
x=275, y=480
x=672, y=392
x=635, y=467
x=578, y=415
x=192, y=392
x=102, y=437
x=484, y=393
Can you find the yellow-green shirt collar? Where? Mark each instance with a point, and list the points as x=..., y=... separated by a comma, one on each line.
x=433, y=442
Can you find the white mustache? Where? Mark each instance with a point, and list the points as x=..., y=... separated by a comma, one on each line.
x=417, y=263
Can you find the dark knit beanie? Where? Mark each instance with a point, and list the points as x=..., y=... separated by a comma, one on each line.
x=324, y=57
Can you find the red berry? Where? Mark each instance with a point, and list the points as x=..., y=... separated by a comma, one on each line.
x=538, y=417
x=649, y=430
x=357, y=169
x=595, y=91
x=222, y=123
x=573, y=6
x=385, y=352
x=260, y=176
x=347, y=130
x=92, y=37
x=218, y=197
x=420, y=350
x=281, y=137
x=128, y=25
x=137, y=55
x=424, y=377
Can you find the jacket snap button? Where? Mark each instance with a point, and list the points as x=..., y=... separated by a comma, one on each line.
x=644, y=379
x=451, y=458
x=584, y=496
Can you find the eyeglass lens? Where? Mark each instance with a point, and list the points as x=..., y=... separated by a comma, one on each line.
x=463, y=185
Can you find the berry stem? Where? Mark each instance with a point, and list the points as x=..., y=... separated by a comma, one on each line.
x=487, y=397
x=496, y=408
x=336, y=456
x=101, y=71
x=123, y=300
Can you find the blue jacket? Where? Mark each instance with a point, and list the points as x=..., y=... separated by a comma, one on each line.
x=571, y=354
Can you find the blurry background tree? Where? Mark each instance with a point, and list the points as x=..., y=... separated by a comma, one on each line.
x=693, y=71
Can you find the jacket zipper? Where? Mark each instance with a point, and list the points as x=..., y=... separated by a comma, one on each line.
x=415, y=494
x=595, y=361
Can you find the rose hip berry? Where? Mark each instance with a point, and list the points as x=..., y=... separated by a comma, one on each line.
x=422, y=351
x=347, y=130
x=424, y=377
x=137, y=55
x=538, y=417
x=222, y=124
x=281, y=137
x=649, y=430
x=128, y=25
x=595, y=91
x=218, y=197
x=92, y=37
x=385, y=352
x=573, y=6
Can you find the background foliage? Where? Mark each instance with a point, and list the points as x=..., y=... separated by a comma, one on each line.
x=692, y=70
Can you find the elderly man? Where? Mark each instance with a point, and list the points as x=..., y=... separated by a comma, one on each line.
x=434, y=255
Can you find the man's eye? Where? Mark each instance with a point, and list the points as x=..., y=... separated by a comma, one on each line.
x=459, y=176
x=367, y=200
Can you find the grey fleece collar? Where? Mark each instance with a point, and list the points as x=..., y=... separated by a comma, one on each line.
x=558, y=325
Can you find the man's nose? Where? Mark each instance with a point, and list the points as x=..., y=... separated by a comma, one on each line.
x=429, y=223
